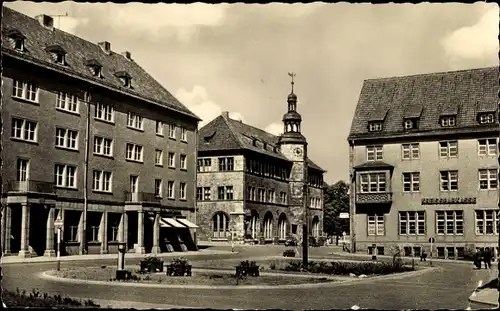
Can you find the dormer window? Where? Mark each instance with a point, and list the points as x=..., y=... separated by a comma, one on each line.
x=16, y=39
x=125, y=78
x=410, y=124
x=95, y=67
x=375, y=126
x=58, y=54
x=254, y=142
x=448, y=121
x=486, y=118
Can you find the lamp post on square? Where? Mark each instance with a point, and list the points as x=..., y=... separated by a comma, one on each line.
x=120, y=271
x=58, y=224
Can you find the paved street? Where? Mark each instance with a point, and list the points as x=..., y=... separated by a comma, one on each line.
x=448, y=287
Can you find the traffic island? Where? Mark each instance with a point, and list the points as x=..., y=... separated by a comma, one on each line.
x=198, y=277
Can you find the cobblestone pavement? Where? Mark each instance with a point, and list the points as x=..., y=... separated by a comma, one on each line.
x=447, y=288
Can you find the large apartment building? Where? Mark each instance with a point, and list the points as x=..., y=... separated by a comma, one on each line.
x=256, y=187
x=87, y=129
x=423, y=162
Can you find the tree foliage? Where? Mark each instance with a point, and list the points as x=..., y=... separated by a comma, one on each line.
x=336, y=201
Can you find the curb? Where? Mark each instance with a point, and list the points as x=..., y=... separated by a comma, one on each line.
x=472, y=299
x=45, y=275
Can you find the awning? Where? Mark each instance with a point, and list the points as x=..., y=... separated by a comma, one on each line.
x=187, y=223
x=173, y=223
x=163, y=224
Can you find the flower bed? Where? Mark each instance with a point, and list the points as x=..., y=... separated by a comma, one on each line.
x=179, y=267
x=347, y=268
x=35, y=299
x=198, y=278
x=151, y=264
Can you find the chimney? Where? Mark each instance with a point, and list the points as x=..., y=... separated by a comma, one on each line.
x=127, y=55
x=46, y=21
x=225, y=114
x=105, y=46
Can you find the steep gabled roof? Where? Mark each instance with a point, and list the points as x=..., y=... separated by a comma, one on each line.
x=38, y=39
x=224, y=133
x=462, y=93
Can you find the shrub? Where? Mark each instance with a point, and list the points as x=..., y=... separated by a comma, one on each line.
x=294, y=266
x=346, y=268
x=152, y=259
x=39, y=300
x=272, y=266
x=180, y=261
x=289, y=253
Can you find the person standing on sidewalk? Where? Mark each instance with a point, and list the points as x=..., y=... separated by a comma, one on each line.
x=487, y=258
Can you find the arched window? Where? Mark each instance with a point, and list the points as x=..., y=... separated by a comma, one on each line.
x=254, y=220
x=315, y=227
x=220, y=226
x=282, y=227
x=268, y=226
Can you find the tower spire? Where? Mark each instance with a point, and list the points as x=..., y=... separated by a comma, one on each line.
x=292, y=74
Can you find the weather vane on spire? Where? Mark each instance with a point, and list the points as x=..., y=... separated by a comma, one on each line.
x=292, y=74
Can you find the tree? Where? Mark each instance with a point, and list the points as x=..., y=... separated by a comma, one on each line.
x=336, y=201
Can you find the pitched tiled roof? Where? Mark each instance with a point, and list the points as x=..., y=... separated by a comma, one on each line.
x=224, y=133
x=464, y=93
x=79, y=53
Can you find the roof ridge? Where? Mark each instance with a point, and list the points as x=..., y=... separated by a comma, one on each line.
x=430, y=73
x=256, y=128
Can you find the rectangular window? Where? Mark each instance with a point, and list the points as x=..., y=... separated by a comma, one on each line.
x=171, y=131
x=199, y=193
x=283, y=197
x=220, y=193
x=24, y=130
x=487, y=147
x=206, y=193
x=182, y=190
x=171, y=189
x=25, y=90
x=135, y=121
x=159, y=128
x=171, y=160
x=66, y=138
x=103, y=146
x=375, y=126
x=488, y=179
x=183, y=162
x=159, y=157
x=226, y=164
x=449, y=180
x=229, y=192
x=183, y=134
x=105, y=112
x=158, y=187
x=410, y=151
x=262, y=195
x=134, y=152
x=411, y=182
x=65, y=176
x=22, y=169
x=376, y=224
x=448, y=149
x=450, y=222
x=448, y=121
x=204, y=165
x=73, y=234
x=373, y=182
x=102, y=181
x=487, y=222
x=67, y=102
x=412, y=223
x=374, y=153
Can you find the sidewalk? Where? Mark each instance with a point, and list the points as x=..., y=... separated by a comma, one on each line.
x=16, y=259
x=119, y=304
x=484, y=298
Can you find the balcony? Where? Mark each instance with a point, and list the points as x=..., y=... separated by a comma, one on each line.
x=142, y=197
x=374, y=198
x=30, y=186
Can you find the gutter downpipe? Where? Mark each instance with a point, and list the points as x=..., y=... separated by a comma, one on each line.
x=352, y=196
x=83, y=243
x=195, y=200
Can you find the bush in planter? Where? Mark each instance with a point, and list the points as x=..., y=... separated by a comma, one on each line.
x=289, y=253
x=151, y=264
x=179, y=266
x=247, y=268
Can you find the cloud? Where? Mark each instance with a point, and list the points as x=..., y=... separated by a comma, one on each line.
x=478, y=41
x=180, y=19
x=275, y=128
x=69, y=24
x=197, y=101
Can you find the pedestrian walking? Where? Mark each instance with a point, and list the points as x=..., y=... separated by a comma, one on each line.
x=423, y=256
x=487, y=258
x=477, y=259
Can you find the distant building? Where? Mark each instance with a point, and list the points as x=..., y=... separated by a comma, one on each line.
x=254, y=186
x=423, y=162
x=64, y=98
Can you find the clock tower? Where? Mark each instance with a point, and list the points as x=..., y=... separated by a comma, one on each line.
x=293, y=145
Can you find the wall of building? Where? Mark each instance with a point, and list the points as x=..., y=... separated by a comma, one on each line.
x=429, y=165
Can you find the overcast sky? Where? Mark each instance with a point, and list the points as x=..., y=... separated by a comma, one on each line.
x=236, y=57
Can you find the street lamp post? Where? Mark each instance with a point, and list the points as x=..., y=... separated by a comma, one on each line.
x=58, y=224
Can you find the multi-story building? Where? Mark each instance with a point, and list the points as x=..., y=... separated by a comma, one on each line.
x=423, y=161
x=254, y=186
x=87, y=129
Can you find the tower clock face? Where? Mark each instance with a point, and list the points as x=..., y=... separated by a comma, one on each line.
x=297, y=151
